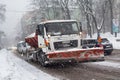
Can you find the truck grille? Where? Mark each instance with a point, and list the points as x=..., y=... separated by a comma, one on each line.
x=65, y=44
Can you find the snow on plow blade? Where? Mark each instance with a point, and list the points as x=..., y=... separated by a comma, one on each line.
x=78, y=55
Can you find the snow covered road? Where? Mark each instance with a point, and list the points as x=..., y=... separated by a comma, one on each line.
x=107, y=64
x=13, y=68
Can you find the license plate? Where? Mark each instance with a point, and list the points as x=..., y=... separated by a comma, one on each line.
x=65, y=42
x=107, y=46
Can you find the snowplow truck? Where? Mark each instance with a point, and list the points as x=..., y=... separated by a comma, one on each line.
x=60, y=41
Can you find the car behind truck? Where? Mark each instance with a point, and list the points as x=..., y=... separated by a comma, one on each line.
x=60, y=41
x=89, y=43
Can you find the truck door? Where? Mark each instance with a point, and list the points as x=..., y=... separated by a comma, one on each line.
x=41, y=43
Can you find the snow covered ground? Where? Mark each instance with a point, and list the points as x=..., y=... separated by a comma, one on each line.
x=13, y=68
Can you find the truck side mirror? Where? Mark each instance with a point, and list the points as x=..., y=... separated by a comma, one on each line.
x=40, y=29
x=80, y=26
x=37, y=32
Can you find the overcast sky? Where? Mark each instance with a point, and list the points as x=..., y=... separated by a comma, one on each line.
x=15, y=9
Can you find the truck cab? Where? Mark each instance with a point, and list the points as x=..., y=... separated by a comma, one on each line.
x=58, y=35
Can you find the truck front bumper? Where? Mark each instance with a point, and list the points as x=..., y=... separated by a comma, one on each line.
x=76, y=55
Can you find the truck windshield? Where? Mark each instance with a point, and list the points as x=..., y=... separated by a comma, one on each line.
x=62, y=28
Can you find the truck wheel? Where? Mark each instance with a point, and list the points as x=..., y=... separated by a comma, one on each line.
x=22, y=53
x=102, y=59
x=27, y=56
x=42, y=59
x=107, y=53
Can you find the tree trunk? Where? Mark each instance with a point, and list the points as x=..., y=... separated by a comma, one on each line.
x=111, y=14
x=88, y=26
x=68, y=13
x=65, y=8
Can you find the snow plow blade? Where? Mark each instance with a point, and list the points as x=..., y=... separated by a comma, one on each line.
x=77, y=55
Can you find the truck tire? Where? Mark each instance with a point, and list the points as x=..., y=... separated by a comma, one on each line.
x=27, y=57
x=42, y=58
x=22, y=53
x=107, y=53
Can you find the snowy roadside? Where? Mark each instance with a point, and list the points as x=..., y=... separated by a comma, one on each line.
x=13, y=68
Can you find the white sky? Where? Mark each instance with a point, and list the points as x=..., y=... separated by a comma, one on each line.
x=15, y=9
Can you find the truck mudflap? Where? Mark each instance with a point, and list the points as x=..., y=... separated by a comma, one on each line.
x=78, y=55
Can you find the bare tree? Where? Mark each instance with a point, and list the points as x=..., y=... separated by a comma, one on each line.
x=97, y=14
x=65, y=8
x=91, y=18
x=85, y=5
x=2, y=19
x=111, y=3
x=2, y=12
x=1, y=35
